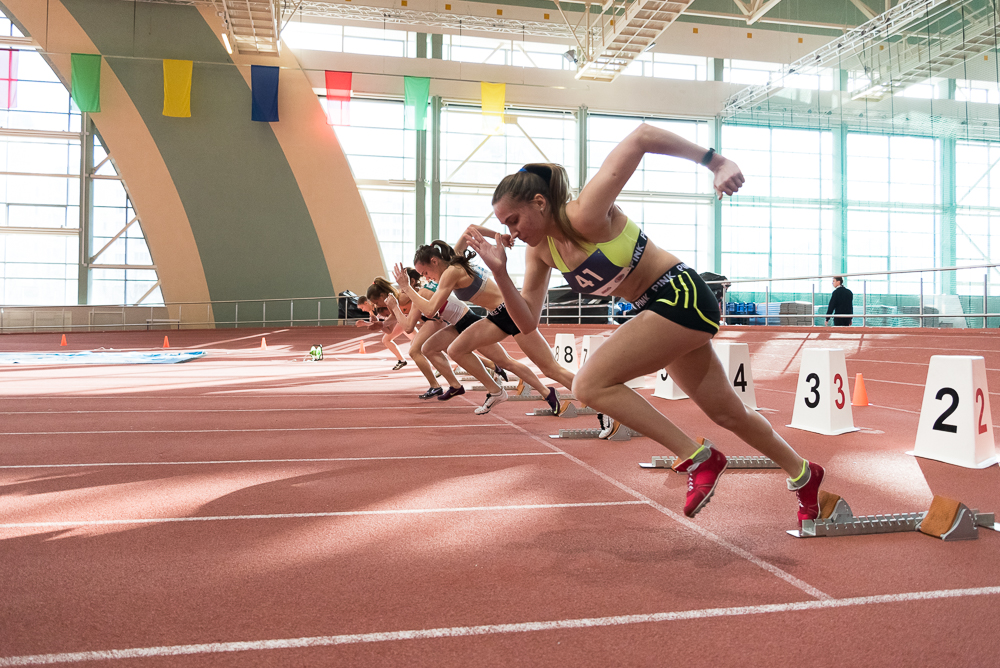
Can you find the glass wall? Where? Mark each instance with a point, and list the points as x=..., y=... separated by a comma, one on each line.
x=40, y=159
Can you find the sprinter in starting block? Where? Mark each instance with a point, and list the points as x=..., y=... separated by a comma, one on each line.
x=599, y=250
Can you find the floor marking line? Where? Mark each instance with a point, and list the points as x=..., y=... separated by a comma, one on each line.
x=221, y=410
x=680, y=519
x=338, y=513
x=275, y=461
x=491, y=629
x=228, y=431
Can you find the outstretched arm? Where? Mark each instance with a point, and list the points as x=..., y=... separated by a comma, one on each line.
x=589, y=211
x=463, y=242
x=524, y=306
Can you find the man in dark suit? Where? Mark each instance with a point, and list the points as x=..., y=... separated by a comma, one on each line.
x=841, y=302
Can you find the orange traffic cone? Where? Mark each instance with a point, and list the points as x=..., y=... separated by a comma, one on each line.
x=263, y=343
x=860, y=395
x=63, y=342
x=166, y=342
x=361, y=349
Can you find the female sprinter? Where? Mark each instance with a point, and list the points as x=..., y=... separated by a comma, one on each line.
x=377, y=292
x=456, y=277
x=427, y=327
x=599, y=250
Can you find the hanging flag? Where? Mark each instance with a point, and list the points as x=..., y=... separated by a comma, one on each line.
x=8, y=78
x=177, y=88
x=493, y=103
x=86, y=81
x=338, y=98
x=264, y=89
x=416, y=92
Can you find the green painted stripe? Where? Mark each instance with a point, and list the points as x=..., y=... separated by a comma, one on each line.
x=250, y=222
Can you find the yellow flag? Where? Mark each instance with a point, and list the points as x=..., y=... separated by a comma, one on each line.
x=177, y=88
x=493, y=103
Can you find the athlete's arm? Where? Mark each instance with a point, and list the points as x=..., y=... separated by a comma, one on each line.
x=525, y=305
x=486, y=232
x=430, y=307
x=589, y=212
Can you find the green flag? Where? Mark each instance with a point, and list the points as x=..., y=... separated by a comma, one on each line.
x=417, y=91
x=86, y=69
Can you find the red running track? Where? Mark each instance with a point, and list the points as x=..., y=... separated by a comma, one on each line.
x=253, y=509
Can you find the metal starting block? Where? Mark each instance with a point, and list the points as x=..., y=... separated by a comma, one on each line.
x=536, y=397
x=566, y=410
x=947, y=519
x=482, y=388
x=623, y=434
x=732, y=463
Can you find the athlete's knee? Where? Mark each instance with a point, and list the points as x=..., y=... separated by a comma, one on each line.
x=456, y=350
x=585, y=389
x=731, y=417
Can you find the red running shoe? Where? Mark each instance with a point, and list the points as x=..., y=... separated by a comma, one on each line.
x=809, y=494
x=702, y=478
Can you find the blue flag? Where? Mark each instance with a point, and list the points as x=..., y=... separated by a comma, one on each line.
x=264, y=89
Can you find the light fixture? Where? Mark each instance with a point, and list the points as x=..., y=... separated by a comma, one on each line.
x=651, y=45
x=225, y=41
x=570, y=56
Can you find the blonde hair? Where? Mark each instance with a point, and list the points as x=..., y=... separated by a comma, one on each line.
x=548, y=180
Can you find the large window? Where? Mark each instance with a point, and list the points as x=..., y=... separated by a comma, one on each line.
x=40, y=165
x=383, y=158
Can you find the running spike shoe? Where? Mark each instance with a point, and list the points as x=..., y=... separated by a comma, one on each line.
x=491, y=401
x=552, y=398
x=399, y=365
x=702, y=478
x=808, y=494
x=431, y=392
x=451, y=392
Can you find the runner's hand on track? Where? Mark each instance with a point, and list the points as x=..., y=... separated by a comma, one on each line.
x=728, y=177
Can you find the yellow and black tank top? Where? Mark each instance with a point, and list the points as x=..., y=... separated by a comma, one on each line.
x=607, y=263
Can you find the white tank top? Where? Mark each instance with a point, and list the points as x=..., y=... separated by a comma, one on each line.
x=453, y=310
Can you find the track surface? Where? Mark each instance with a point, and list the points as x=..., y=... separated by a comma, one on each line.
x=253, y=509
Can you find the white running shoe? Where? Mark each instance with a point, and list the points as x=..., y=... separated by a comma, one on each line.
x=609, y=426
x=491, y=401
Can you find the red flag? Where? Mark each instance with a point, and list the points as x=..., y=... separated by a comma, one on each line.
x=8, y=78
x=338, y=98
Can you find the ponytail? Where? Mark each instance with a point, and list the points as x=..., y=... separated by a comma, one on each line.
x=444, y=252
x=548, y=180
x=381, y=288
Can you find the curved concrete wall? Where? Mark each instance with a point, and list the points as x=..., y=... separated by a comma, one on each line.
x=232, y=209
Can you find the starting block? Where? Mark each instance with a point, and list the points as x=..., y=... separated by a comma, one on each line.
x=536, y=397
x=482, y=388
x=732, y=463
x=623, y=434
x=947, y=519
x=566, y=410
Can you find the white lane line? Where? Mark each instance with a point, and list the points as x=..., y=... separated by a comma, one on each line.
x=233, y=431
x=339, y=513
x=231, y=410
x=680, y=519
x=275, y=461
x=490, y=629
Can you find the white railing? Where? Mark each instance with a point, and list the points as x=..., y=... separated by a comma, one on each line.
x=951, y=298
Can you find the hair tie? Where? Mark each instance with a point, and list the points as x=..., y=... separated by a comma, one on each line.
x=539, y=170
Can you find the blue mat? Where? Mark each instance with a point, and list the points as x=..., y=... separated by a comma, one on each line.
x=124, y=357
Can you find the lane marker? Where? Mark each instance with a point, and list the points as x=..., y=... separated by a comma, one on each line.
x=274, y=461
x=680, y=519
x=228, y=431
x=338, y=513
x=490, y=629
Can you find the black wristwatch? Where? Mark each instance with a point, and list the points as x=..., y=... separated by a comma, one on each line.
x=708, y=157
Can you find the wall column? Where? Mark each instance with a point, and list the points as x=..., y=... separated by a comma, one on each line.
x=947, y=226
x=86, y=208
x=582, y=152
x=435, y=167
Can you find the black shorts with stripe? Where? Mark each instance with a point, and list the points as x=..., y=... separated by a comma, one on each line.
x=682, y=296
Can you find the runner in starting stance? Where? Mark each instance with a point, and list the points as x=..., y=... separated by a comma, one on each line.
x=599, y=250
